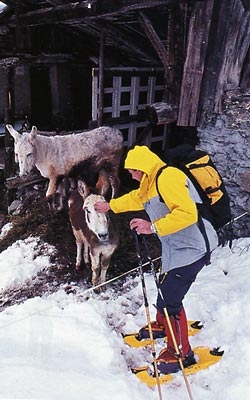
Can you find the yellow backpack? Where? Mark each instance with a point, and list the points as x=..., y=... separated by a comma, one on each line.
x=202, y=172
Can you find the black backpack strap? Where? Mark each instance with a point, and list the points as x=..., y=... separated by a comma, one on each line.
x=156, y=180
x=197, y=186
x=204, y=234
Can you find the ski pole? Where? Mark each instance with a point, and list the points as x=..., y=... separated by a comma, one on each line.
x=152, y=343
x=167, y=318
x=236, y=218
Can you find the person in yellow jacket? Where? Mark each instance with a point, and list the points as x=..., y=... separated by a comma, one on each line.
x=174, y=219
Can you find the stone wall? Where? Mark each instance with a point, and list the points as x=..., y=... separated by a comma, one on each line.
x=227, y=139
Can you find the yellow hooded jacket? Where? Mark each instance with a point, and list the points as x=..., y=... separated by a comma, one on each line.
x=175, y=219
x=172, y=186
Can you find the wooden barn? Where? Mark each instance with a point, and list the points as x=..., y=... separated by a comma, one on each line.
x=162, y=64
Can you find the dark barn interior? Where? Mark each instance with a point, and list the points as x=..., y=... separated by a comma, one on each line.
x=61, y=41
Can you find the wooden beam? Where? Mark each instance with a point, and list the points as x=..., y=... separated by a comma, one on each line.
x=20, y=182
x=56, y=14
x=154, y=39
x=101, y=80
x=133, y=5
x=29, y=59
x=78, y=11
x=119, y=39
x=194, y=64
x=161, y=113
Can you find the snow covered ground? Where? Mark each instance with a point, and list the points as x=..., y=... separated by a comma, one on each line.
x=69, y=346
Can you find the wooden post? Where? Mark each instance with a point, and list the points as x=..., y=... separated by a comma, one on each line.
x=101, y=83
x=161, y=113
x=9, y=159
x=195, y=61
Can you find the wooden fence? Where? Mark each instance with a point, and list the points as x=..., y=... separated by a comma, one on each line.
x=120, y=97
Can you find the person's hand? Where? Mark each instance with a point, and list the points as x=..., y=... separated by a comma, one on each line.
x=141, y=226
x=102, y=206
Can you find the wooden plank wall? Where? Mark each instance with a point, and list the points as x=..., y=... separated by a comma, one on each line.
x=228, y=46
x=217, y=47
x=195, y=62
x=237, y=39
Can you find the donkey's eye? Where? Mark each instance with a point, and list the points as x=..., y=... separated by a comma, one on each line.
x=29, y=154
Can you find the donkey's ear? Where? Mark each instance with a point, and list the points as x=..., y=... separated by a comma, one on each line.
x=16, y=135
x=103, y=184
x=33, y=133
x=82, y=188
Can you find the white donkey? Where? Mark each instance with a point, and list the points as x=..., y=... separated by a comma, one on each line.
x=95, y=233
x=55, y=156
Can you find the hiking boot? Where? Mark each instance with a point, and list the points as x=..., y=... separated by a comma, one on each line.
x=157, y=326
x=167, y=363
x=157, y=331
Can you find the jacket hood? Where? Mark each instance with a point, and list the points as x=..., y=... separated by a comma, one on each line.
x=142, y=159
